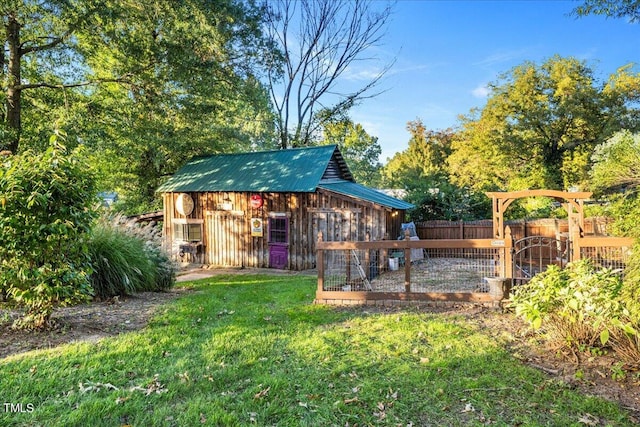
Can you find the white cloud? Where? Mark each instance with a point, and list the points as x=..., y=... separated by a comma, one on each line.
x=503, y=57
x=481, y=91
x=362, y=74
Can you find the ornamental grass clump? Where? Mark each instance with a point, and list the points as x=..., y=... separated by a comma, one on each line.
x=128, y=258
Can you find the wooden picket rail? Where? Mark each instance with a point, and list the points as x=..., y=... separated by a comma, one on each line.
x=614, y=249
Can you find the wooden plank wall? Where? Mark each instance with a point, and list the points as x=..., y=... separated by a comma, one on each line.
x=227, y=233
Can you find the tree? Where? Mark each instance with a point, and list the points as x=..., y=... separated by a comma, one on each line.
x=617, y=164
x=144, y=87
x=541, y=124
x=360, y=150
x=421, y=171
x=614, y=8
x=423, y=161
x=47, y=203
x=319, y=41
x=38, y=53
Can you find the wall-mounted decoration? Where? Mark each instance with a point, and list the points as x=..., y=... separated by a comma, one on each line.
x=225, y=206
x=256, y=227
x=256, y=201
x=184, y=204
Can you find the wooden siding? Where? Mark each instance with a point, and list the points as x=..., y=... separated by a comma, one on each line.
x=226, y=217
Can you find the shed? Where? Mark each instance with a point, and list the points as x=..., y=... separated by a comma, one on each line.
x=265, y=209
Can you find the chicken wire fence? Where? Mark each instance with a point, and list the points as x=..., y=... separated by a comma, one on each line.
x=441, y=270
x=615, y=258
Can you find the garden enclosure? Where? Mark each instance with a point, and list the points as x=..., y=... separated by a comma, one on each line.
x=478, y=270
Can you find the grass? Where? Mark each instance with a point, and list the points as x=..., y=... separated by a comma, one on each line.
x=253, y=350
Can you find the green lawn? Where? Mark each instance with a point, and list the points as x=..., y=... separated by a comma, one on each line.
x=254, y=350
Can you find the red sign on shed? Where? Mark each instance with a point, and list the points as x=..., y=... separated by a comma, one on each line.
x=256, y=201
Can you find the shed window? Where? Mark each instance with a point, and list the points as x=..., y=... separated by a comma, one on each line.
x=187, y=232
x=278, y=230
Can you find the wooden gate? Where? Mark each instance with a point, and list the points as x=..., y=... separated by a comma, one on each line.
x=532, y=255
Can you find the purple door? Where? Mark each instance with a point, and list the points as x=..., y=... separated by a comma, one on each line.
x=278, y=242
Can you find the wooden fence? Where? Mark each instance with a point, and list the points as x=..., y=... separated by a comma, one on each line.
x=364, y=293
x=483, y=229
x=349, y=272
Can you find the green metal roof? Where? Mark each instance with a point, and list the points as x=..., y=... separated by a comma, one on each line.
x=358, y=191
x=294, y=170
x=298, y=170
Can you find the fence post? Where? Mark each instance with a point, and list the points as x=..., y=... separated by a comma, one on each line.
x=407, y=262
x=575, y=245
x=347, y=259
x=320, y=263
x=367, y=257
x=508, y=254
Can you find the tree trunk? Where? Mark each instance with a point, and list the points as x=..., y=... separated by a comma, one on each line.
x=12, y=119
x=553, y=160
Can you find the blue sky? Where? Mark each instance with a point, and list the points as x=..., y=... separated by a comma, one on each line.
x=447, y=51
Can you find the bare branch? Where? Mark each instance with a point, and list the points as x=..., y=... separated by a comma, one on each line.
x=331, y=37
x=37, y=48
x=71, y=85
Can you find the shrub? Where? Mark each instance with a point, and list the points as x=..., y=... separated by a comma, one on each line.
x=46, y=211
x=128, y=258
x=576, y=307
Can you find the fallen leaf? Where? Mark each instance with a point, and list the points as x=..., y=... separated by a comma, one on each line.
x=353, y=399
x=382, y=415
x=468, y=408
x=588, y=420
x=262, y=393
x=203, y=419
x=91, y=386
x=392, y=394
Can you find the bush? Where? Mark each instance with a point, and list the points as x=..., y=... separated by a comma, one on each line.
x=46, y=211
x=577, y=307
x=128, y=258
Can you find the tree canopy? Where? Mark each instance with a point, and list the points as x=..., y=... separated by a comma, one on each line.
x=144, y=86
x=540, y=125
x=617, y=164
x=612, y=8
x=360, y=150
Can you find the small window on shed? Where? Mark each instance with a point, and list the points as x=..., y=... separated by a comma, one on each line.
x=187, y=232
